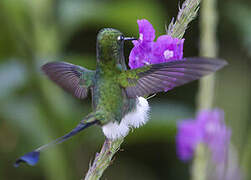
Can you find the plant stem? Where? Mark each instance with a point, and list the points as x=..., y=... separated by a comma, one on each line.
x=103, y=159
x=187, y=13
x=208, y=48
x=199, y=165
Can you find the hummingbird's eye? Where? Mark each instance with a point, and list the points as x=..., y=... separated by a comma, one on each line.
x=121, y=38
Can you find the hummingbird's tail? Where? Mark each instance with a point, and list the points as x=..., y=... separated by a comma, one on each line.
x=32, y=158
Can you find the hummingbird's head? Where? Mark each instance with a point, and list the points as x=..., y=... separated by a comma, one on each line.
x=110, y=43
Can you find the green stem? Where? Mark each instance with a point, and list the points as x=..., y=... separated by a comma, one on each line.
x=199, y=165
x=103, y=159
x=208, y=48
x=187, y=13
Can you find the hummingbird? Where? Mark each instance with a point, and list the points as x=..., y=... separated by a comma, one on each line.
x=118, y=101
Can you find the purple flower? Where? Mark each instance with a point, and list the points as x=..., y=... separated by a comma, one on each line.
x=167, y=48
x=208, y=128
x=146, y=31
x=188, y=136
x=146, y=51
x=142, y=51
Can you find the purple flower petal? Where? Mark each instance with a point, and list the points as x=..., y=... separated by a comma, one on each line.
x=188, y=137
x=216, y=134
x=146, y=31
x=146, y=51
x=208, y=128
x=167, y=48
x=140, y=55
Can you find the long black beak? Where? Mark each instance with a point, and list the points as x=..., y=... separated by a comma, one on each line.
x=129, y=38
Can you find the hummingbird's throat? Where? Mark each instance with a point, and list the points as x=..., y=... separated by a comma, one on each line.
x=106, y=54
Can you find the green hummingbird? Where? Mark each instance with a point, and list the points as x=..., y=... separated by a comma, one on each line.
x=117, y=93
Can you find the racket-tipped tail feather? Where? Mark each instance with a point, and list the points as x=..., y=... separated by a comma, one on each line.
x=32, y=157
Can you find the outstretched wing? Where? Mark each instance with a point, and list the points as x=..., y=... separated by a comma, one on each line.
x=72, y=78
x=165, y=76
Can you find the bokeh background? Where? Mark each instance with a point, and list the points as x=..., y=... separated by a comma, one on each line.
x=34, y=111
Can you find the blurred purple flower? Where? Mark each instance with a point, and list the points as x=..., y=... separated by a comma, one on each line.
x=188, y=137
x=146, y=51
x=208, y=128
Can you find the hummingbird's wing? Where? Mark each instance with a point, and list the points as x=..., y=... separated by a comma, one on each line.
x=72, y=78
x=165, y=76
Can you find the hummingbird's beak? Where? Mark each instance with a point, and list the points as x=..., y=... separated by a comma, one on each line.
x=129, y=38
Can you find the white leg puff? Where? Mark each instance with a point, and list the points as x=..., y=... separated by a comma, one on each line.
x=138, y=117
x=114, y=130
x=134, y=119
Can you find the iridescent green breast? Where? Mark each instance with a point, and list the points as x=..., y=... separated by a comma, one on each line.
x=109, y=98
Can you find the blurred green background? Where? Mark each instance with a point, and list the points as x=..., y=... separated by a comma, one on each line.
x=34, y=111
